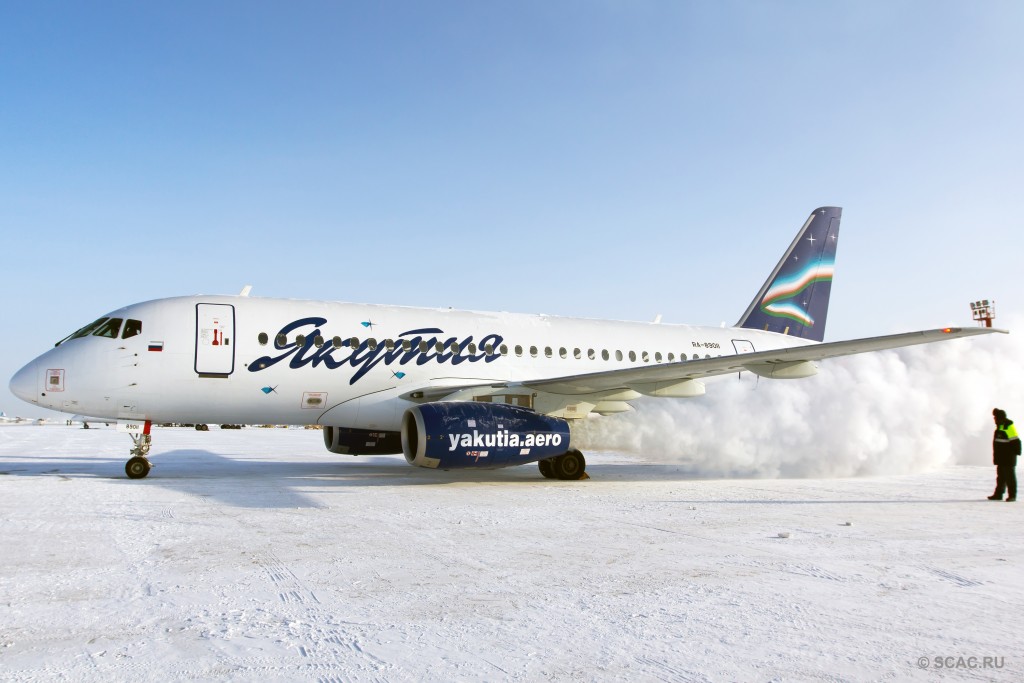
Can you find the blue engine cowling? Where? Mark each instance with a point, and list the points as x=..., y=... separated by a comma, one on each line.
x=458, y=435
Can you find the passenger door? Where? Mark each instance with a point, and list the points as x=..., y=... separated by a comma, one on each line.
x=215, y=340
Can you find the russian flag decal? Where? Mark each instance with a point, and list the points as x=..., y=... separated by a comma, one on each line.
x=156, y=346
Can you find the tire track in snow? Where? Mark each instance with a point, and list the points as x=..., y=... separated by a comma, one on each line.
x=331, y=650
x=961, y=581
x=663, y=671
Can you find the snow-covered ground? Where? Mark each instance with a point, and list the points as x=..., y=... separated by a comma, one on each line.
x=255, y=554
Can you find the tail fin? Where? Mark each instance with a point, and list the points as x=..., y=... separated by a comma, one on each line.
x=794, y=298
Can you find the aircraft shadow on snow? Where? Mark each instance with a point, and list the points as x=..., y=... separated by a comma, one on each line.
x=259, y=483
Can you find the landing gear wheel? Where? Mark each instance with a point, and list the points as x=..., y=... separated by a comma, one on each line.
x=137, y=468
x=547, y=469
x=570, y=466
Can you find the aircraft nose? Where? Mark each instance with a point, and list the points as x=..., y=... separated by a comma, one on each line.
x=24, y=383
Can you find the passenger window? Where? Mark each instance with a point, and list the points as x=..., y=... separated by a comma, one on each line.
x=547, y=351
x=696, y=357
x=632, y=356
x=533, y=351
x=519, y=350
x=590, y=354
x=318, y=341
x=372, y=343
x=336, y=342
x=455, y=348
x=644, y=357
x=604, y=354
x=131, y=328
x=406, y=345
x=353, y=343
x=300, y=340
x=439, y=347
x=263, y=338
x=489, y=349
x=577, y=354
x=109, y=329
x=562, y=353
x=671, y=357
x=503, y=349
x=281, y=341
x=618, y=355
x=423, y=347
x=657, y=356
x=389, y=344
x=471, y=348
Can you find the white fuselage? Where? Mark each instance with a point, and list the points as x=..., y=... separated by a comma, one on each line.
x=221, y=359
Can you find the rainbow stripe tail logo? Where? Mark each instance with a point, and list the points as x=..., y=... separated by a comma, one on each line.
x=781, y=299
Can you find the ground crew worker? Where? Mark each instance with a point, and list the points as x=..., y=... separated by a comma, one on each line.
x=1005, y=449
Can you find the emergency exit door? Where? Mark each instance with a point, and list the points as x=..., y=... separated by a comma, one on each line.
x=215, y=340
x=742, y=346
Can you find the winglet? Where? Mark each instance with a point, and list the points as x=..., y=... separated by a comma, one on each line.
x=245, y=290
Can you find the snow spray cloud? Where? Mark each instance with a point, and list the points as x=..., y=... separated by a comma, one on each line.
x=894, y=412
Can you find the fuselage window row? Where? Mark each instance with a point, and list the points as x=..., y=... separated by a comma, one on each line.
x=134, y=327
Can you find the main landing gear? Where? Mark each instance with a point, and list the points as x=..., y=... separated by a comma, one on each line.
x=570, y=466
x=138, y=466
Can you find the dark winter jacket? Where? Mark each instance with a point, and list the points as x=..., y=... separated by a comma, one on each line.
x=1005, y=444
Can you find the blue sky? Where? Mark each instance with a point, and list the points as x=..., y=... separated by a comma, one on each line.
x=615, y=159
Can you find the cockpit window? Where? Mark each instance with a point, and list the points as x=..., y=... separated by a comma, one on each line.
x=84, y=331
x=109, y=329
x=131, y=328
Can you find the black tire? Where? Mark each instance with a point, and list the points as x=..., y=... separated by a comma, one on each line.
x=137, y=468
x=547, y=469
x=569, y=466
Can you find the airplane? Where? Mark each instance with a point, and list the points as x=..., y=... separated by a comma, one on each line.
x=449, y=389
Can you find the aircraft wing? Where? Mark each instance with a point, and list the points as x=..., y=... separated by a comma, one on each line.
x=762, y=362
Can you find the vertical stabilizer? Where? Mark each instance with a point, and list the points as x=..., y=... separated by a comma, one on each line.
x=794, y=298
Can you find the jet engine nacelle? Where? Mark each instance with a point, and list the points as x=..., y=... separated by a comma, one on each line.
x=458, y=435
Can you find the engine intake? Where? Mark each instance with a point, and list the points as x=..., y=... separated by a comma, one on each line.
x=460, y=435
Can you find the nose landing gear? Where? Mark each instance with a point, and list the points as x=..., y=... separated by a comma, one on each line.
x=138, y=466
